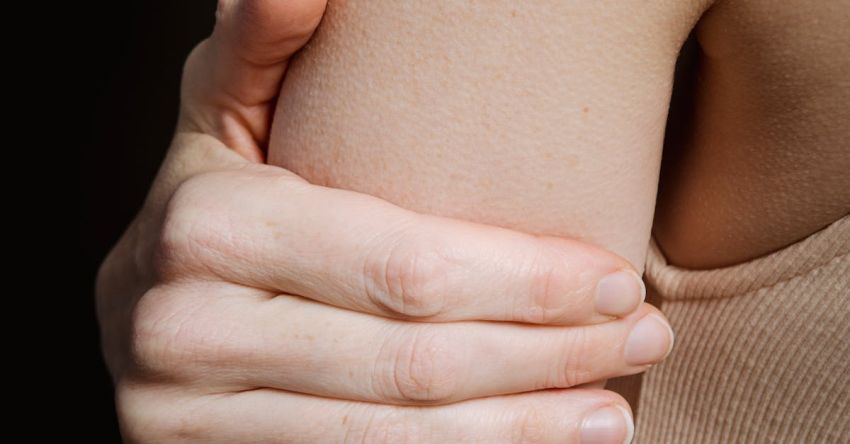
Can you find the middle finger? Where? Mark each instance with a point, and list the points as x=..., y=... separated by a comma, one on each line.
x=296, y=344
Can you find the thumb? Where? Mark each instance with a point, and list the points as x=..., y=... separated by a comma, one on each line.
x=230, y=80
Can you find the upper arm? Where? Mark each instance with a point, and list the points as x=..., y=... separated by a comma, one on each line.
x=543, y=116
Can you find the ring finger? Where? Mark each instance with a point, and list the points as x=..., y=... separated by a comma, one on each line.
x=246, y=339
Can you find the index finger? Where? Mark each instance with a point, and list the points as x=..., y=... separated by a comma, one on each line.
x=264, y=227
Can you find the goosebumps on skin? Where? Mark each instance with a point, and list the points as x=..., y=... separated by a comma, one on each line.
x=545, y=116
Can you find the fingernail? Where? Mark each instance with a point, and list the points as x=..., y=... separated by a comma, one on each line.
x=650, y=341
x=619, y=293
x=608, y=425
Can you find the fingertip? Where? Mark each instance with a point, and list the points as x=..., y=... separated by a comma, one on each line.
x=611, y=424
x=598, y=285
x=619, y=293
x=650, y=340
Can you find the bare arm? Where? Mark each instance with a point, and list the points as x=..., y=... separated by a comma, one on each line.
x=244, y=304
x=542, y=116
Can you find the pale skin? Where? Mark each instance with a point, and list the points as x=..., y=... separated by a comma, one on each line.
x=246, y=304
x=212, y=355
x=548, y=117
x=499, y=112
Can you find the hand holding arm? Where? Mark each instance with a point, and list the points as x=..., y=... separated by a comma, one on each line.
x=245, y=303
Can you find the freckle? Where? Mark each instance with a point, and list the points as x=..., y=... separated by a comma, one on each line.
x=571, y=160
x=549, y=186
x=585, y=110
x=513, y=13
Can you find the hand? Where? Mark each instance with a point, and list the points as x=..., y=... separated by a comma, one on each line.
x=245, y=304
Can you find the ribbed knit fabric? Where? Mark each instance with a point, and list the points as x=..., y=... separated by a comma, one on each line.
x=762, y=349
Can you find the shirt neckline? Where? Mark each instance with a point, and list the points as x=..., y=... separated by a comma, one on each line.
x=819, y=249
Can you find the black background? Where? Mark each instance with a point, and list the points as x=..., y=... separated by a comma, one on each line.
x=130, y=57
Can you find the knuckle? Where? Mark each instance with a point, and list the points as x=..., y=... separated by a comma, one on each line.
x=532, y=426
x=422, y=369
x=407, y=282
x=544, y=302
x=192, y=231
x=145, y=415
x=135, y=414
x=170, y=337
x=574, y=350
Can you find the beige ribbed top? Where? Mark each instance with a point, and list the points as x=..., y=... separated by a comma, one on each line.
x=762, y=349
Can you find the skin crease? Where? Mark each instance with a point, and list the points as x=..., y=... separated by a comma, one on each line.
x=498, y=112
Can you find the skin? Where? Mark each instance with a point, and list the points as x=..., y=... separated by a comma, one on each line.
x=505, y=113
x=548, y=117
x=243, y=364
x=763, y=163
x=245, y=304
